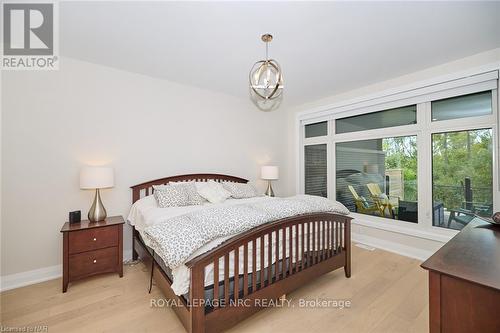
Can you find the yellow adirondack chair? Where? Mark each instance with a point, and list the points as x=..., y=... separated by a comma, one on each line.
x=362, y=204
x=380, y=198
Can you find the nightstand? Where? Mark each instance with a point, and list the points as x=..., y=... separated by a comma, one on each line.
x=91, y=248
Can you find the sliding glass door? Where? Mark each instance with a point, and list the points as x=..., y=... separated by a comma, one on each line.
x=462, y=175
x=379, y=177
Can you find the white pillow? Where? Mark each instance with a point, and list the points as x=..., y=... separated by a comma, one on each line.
x=212, y=191
x=170, y=196
x=189, y=187
x=241, y=190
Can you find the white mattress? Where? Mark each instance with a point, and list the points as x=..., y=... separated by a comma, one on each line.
x=145, y=212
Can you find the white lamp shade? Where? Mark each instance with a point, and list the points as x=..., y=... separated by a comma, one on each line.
x=96, y=177
x=269, y=172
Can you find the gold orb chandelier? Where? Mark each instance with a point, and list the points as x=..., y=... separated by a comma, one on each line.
x=266, y=80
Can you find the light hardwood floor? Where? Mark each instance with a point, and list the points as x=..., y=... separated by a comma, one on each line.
x=388, y=293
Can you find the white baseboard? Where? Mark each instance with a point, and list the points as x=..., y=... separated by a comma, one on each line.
x=22, y=279
x=398, y=248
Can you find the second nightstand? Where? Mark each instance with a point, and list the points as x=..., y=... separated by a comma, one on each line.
x=91, y=248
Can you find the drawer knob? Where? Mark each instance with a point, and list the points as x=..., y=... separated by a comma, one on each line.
x=95, y=260
x=94, y=239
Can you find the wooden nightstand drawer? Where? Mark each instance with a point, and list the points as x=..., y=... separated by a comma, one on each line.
x=93, y=262
x=93, y=239
x=91, y=248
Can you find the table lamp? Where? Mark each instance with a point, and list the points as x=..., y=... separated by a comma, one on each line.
x=269, y=173
x=96, y=178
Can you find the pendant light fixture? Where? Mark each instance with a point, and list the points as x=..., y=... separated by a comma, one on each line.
x=266, y=80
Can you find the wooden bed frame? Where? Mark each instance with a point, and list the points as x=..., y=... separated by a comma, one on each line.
x=328, y=251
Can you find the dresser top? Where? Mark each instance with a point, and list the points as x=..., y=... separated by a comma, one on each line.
x=473, y=255
x=86, y=224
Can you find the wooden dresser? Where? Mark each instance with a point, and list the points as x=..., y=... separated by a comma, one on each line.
x=464, y=281
x=91, y=248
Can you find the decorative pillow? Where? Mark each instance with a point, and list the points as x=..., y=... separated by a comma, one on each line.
x=190, y=188
x=240, y=190
x=170, y=196
x=212, y=191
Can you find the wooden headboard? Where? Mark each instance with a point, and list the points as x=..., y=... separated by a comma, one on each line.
x=144, y=189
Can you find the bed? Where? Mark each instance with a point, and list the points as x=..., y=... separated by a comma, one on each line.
x=227, y=282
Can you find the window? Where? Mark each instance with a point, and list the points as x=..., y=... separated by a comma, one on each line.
x=389, y=118
x=317, y=129
x=462, y=107
x=379, y=177
x=462, y=178
x=315, y=157
x=426, y=168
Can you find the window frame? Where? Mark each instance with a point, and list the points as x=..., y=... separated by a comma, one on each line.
x=423, y=130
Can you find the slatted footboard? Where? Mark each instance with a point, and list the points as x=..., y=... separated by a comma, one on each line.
x=268, y=261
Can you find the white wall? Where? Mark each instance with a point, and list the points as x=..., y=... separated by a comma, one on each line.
x=417, y=247
x=55, y=122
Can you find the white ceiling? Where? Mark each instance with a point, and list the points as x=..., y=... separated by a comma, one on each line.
x=324, y=47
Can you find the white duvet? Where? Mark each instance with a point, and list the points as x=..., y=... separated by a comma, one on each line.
x=145, y=214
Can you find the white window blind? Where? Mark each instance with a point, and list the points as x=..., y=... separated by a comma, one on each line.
x=315, y=170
